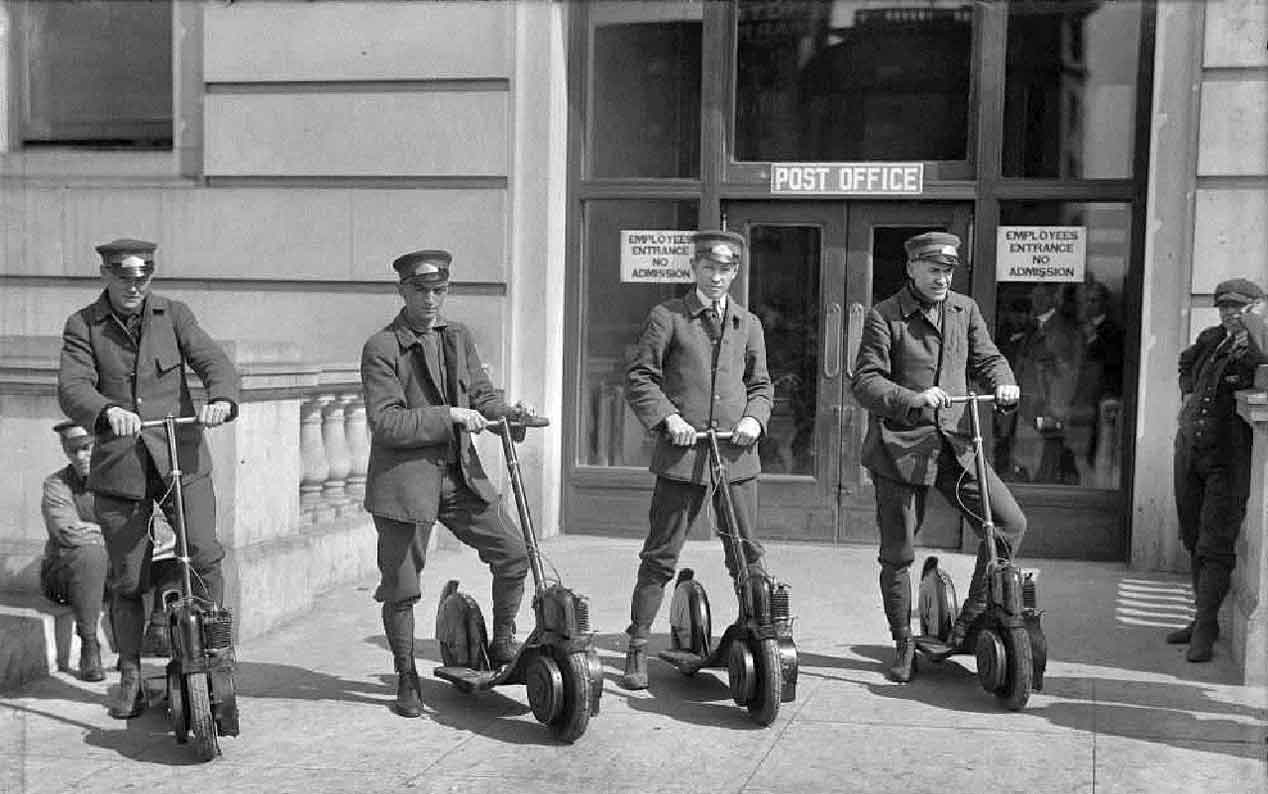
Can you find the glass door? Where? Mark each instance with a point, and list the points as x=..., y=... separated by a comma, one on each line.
x=794, y=283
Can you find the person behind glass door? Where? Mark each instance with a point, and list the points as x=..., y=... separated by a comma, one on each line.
x=1212, y=466
x=919, y=347
x=74, y=567
x=700, y=363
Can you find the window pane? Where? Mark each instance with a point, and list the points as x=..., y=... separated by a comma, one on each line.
x=100, y=73
x=853, y=80
x=1070, y=90
x=645, y=98
x=1066, y=344
x=610, y=433
x=784, y=293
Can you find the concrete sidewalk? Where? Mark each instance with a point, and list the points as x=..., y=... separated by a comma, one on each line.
x=1121, y=711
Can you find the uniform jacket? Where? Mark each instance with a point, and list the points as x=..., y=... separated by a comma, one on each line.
x=68, y=510
x=673, y=370
x=101, y=367
x=901, y=354
x=411, y=432
x=1211, y=372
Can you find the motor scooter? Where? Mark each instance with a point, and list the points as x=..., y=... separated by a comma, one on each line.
x=558, y=663
x=201, y=694
x=1007, y=638
x=757, y=650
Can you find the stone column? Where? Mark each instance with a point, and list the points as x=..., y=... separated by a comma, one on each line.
x=1250, y=577
x=332, y=433
x=358, y=434
x=313, y=457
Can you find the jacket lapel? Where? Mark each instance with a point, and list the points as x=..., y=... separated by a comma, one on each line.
x=429, y=373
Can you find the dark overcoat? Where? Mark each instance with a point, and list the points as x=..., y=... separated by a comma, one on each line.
x=101, y=366
x=673, y=370
x=901, y=354
x=411, y=432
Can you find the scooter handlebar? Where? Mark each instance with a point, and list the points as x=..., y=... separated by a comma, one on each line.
x=180, y=420
x=723, y=435
x=519, y=424
x=981, y=398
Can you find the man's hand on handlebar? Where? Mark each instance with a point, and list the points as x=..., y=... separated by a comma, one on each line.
x=471, y=420
x=214, y=413
x=746, y=432
x=934, y=397
x=1007, y=395
x=680, y=433
x=122, y=421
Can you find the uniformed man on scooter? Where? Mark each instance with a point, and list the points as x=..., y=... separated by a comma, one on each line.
x=426, y=392
x=919, y=347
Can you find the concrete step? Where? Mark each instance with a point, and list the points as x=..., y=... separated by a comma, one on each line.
x=37, y=637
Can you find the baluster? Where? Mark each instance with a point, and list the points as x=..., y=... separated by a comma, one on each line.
x=358, y=444
x=312, y=454
x=332, y=492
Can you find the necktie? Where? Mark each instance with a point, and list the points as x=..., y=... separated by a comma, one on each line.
x=713, y=320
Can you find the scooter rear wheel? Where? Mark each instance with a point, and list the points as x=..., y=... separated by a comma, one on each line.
x=764, y=705
x=204, y=729
x=1018, y=677
x=574, y=715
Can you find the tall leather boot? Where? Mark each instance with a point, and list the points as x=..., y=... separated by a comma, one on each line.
x=90, y=660
x=904, y=666
x=398, y=626
x=974, y=602
x=131, y=701
x=1182, y=636
x=635, y=675
x=507, y=593
x=1212, y=587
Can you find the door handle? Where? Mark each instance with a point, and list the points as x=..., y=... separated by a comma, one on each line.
x=853, y=336
x=832, y=341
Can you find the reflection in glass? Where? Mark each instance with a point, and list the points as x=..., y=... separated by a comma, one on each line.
x=853, y=80
x=1066, y=342
x=645, y=112
x=614, y=312
x=1070, y=89
x=784, y=294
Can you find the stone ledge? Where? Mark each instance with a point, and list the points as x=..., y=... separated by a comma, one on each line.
x=39, y=637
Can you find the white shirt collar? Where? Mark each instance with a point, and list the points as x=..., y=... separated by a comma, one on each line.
x=705, y=302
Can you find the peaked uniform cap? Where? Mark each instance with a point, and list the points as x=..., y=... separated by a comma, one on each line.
x=128, y=256
x=726, y=248
x=71, y=431
x=941, y=247
x=431, y=265
x=1237, y=290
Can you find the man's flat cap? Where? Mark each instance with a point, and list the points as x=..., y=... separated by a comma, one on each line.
x=1238, y=290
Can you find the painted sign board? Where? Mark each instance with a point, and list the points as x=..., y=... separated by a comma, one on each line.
x=656, y=256
x=847, y=179
x=1040, y=253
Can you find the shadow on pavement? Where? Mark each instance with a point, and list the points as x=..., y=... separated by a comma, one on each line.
x=146, y=739
x=1171, y=713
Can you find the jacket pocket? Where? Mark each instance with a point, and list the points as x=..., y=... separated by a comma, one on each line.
x=167, y=361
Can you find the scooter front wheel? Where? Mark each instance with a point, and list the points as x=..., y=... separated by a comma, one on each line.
x=204, y=729
x=177, y=711
x=1019, y=670
x=764, y=705
x=574, y=714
